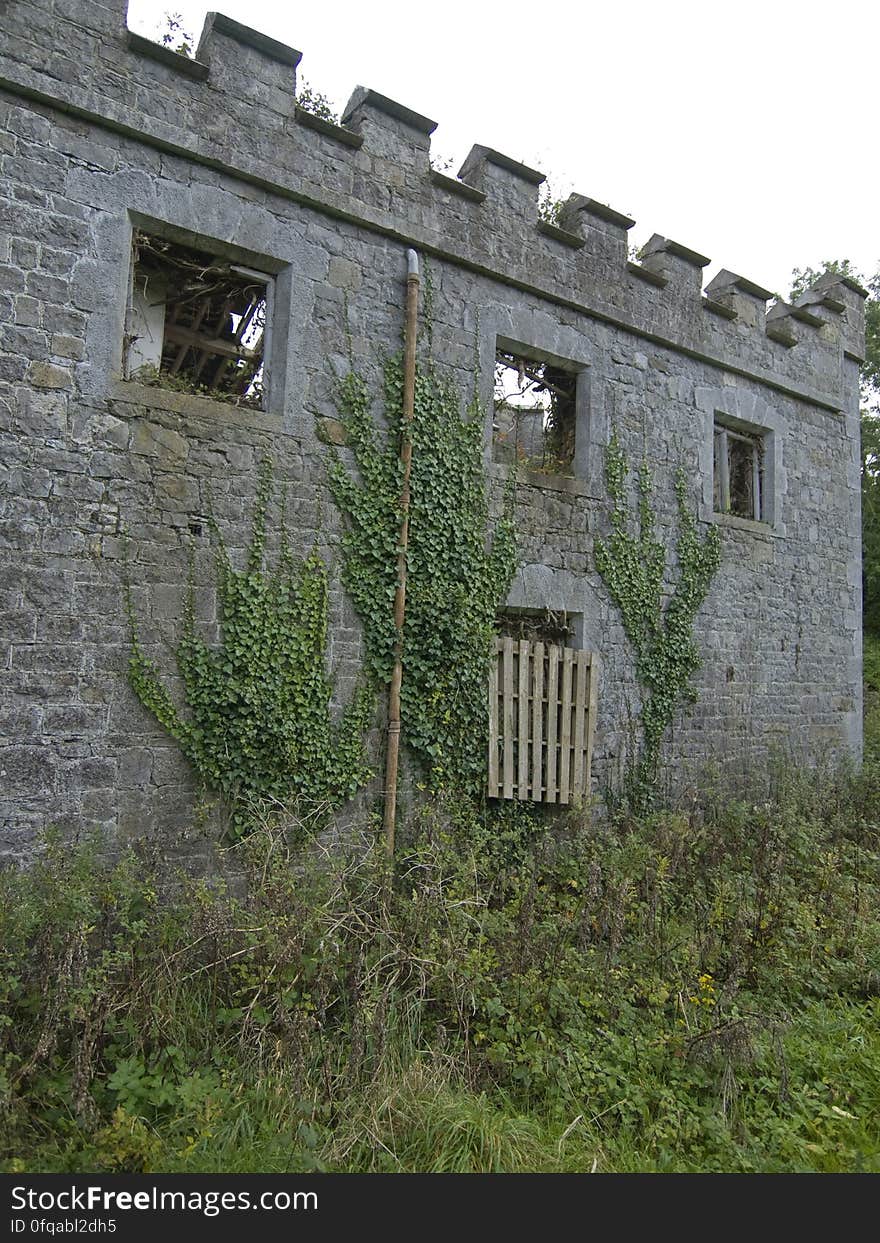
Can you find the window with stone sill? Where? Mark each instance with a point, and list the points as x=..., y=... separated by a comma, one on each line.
x=198, y=322
x=535, y=413
x=738, y=480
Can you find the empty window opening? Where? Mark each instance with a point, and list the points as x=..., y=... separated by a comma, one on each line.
x=738, y=478
x=198, y=322
x=534, y=414
x=538, y=625
x=542, y=710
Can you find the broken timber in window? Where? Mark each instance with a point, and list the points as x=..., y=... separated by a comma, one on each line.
x=540, y=435
x=198, y=321
x=738, y=484
x=542, y=718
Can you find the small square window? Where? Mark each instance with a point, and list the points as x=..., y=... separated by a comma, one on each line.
x=738, y=474
x=535, y=413
x=197, y=322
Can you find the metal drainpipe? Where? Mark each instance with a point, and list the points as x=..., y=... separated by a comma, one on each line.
x=392, y=755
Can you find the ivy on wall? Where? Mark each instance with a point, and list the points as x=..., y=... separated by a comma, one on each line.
x=258, y=726
x=456, y=578
x=633, y=567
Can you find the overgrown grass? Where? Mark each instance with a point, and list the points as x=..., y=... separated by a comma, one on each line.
x=872, y=698
x=671, y=993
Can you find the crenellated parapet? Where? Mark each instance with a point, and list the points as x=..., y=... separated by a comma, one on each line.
x=233, y=108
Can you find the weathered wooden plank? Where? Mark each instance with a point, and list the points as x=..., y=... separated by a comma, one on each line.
x=213, y=345
x=552, y=714
x=507, y=714
x=537, y=721
x=493, y=722
x=523, y=720
x=565, y=728
x=580, y=710
x=595, y=672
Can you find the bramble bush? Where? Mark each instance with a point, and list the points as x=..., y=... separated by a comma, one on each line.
x=666, y=992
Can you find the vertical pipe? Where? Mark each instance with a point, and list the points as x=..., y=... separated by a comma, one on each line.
x=392, y=755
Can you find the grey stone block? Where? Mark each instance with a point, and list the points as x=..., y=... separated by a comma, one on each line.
x=122, y=136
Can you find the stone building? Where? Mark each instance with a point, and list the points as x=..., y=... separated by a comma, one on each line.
x=126, y=167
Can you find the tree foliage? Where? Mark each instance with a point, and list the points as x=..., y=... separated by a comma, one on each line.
x=802, y=278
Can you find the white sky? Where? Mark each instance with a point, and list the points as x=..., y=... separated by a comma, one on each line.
x=746, y=130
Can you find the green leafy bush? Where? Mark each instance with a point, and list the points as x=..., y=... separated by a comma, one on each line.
x=258, y=728
x=633, y=567
x=668, y=992
x=456, y=579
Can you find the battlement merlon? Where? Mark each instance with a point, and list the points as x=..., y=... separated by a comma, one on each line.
x=674, y=262
x=392, y=130
x=605, y=230
x=742, y=296
x=505, y=181
x=840, y=302
x=87, y=65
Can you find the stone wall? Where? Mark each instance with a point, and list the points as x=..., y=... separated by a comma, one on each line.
x=101, y=133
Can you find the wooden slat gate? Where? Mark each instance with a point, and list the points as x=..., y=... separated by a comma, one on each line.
x=542, y=715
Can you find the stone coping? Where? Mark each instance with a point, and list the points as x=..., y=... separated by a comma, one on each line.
x=726, y=280
x=565, y=236
x=364, y=95
x=645, y=274
x=500, y=160
x=339, y=133
x=778, y=330
x=601, y=211
x=718, y=308
x=272, y=48
x=658, y=245
x=454, y=186
x=167, y=56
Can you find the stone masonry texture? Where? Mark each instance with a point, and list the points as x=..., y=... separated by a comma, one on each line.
x=100, y=134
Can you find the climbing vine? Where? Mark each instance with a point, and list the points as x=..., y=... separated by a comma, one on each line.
x=258, y=727
x=633, y=568
x=456, y=576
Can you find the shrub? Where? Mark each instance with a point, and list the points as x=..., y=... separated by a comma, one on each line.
x=666, y=992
